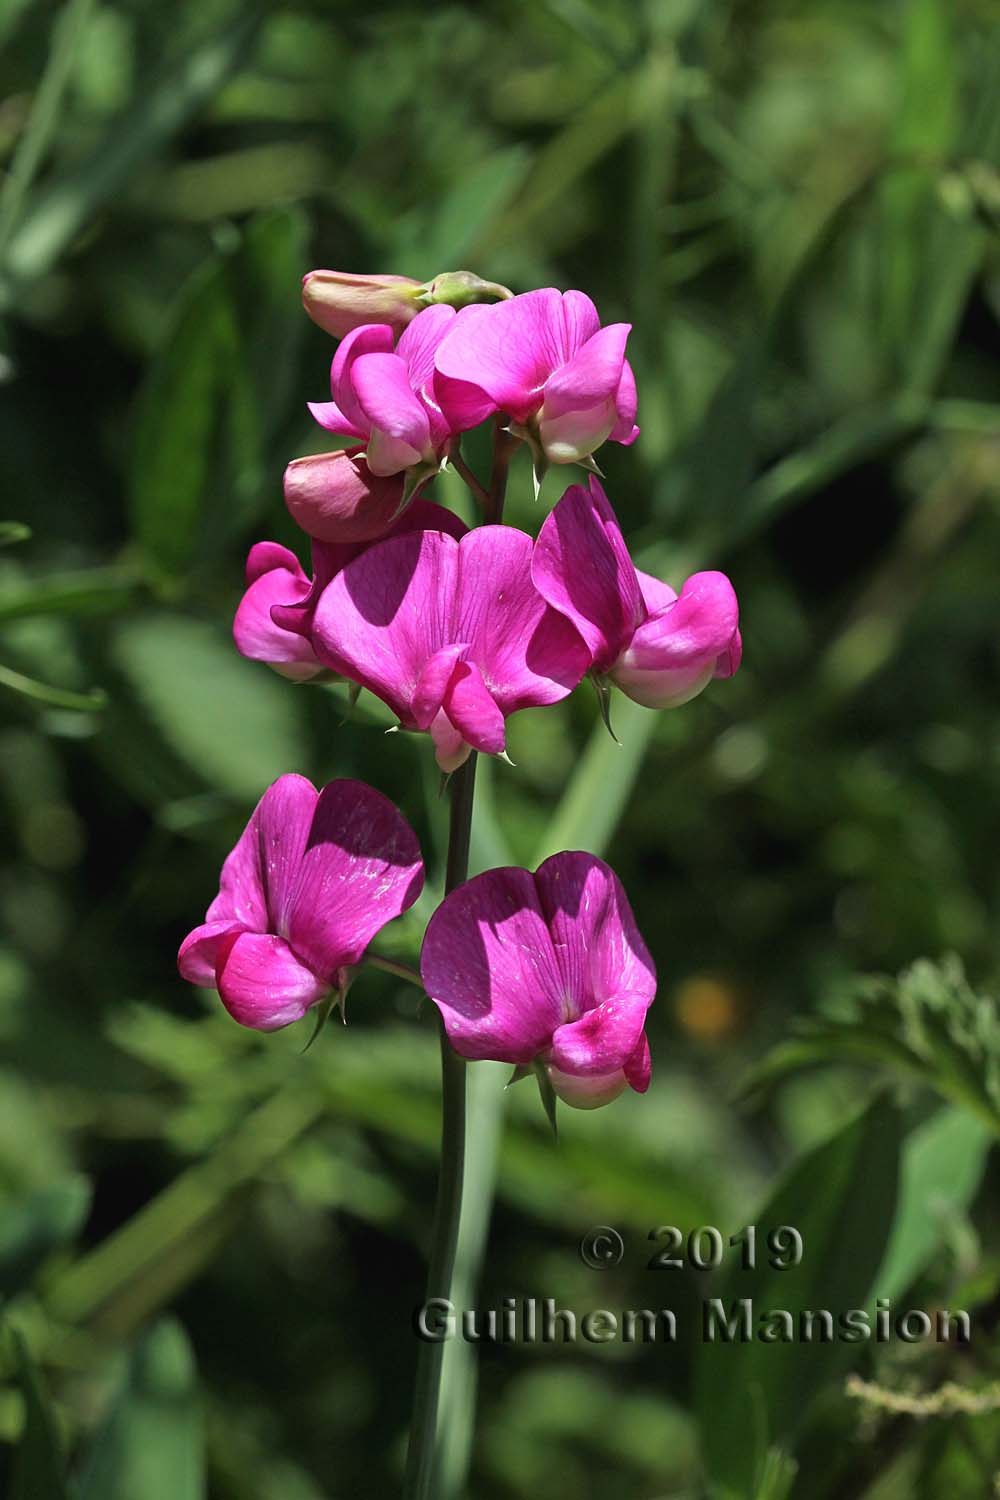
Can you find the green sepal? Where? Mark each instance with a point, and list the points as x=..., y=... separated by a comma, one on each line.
x=414, y=480
x=354, y=691
x=324, y=1010
x=602, y=688
x=522, y=1070
x=547, y=1094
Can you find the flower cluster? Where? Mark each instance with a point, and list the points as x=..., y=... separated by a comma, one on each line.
x=455, y=630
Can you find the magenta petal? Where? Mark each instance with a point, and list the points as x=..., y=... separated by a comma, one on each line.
x=603, y=1038
x=329, y=415
x=199, y=951
x=258, y=877
x=417, y=348
x=593, y=375
x=676, y=652
x=625, y=431
x=382, y=386
x=580, y=323
x=336, y=498
x=526, y=652
x=488, y=964
x=601, y=954
x=388, y=612
x=426, y=515
x=582, y=567
x=371, y=338
x=638, y=1067
x=728, y=663
x=432, y=684
x=361, y=868
x=473, y=711
x=506, y=351
x=573, y=436
x=462, y=405
x=262, y=983
x=328, y=558
x=264, y=557
x=450, y=749
x=259, y=637
x=655, y=595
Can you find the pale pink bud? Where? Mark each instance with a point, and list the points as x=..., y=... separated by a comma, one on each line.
x=339, y=301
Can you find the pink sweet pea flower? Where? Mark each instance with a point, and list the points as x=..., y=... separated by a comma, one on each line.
x=544, y=359
x=545, y=969
x=312, y=879
x=274, y=619
x=452, y=635
x=660, y=648
x=383, y=395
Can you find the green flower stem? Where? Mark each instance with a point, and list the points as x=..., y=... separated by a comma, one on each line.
x=436, y=1458
x=458, y=463
x=504, y=446
x=424, y=1461
x=392, y=966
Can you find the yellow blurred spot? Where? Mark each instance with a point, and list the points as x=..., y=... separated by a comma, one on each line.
x=707, y=1008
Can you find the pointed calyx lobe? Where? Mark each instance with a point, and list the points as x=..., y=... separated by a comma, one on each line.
x=452, y=635
x=546, y=967
x=312, y=879
x=658, y=647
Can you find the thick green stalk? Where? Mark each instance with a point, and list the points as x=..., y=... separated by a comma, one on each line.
x=435, y=1460
x=424, y=1458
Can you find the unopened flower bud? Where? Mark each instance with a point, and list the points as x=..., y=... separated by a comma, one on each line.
x=462, y=288
x=339, y=301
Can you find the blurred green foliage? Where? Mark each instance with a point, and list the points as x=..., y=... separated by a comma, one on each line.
x=797, y=207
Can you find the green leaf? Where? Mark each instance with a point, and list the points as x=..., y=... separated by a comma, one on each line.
x=942, y=1167
x=51, y=697
x=39, y=1468
x=929, y=1023
x=176, y=458
x=922, y=138
x=152, y=1445
x=44, y=118
x=933, y=253
x=97, y=591
x=13, y=531
x=589, y=809
x=445, y=235
x=231, y=720
x=264, y=279
x=34, y=1225
x=161, y=108
x=216, y=392
x=776, y=1476
x=841, y=1198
